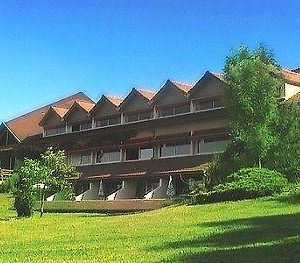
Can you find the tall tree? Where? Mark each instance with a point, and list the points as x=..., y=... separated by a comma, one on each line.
x=285, y=155
x=254, y=86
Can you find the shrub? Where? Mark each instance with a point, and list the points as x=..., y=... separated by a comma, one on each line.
x=247, y=183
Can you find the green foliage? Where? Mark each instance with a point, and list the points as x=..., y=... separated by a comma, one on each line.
x=171, y=190
x=50, y=173
x=232, y=159
x=254, y=86
x=22, y=186
x=285, y=155
x=247, y=183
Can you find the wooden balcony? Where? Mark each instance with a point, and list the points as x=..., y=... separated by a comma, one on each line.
x=5, y=173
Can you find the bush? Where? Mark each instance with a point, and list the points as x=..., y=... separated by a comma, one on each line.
x=247, y=183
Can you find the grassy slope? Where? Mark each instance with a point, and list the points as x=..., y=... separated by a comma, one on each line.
x=248, y=231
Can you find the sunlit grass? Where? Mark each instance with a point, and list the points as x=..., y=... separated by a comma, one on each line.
x=265, y=230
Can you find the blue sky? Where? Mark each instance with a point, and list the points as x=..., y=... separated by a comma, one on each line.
x=50, y=49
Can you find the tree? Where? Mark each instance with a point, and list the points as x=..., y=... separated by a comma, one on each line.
x=285, y=155
x=253, y=89
x=49, y=173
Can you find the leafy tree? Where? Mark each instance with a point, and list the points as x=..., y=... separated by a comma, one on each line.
x=50, y=173
x=253, y=89
x=285, y=155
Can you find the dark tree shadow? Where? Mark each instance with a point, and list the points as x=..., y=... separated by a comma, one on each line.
x=257, y=239
x=292, y=199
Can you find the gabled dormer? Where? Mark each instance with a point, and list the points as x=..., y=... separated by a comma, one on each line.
x=53, y=121
x=78, y=117
x=172, y=99
x=106, y=111
x=137, y=99
x=210, y=85
x=208, y=92
x=137, y=105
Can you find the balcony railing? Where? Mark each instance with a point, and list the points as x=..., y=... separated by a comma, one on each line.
x=5, y=173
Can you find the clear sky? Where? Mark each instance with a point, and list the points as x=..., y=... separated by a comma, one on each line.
x=50, y=49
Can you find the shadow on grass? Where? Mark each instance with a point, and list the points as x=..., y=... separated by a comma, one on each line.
x=258, y=239
x=290, y=199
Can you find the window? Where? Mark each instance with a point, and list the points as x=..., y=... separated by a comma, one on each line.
x=55, y=131
x=138, y=116
x=86, y=126
x=146, y=153
x=114, y=120
x=212, y=145
x=75, y=127
x=182, y=109
x=132, y=154
x=80, y=159
x=209, y=104
x=175, y=149
x=109, y=121
x=165, y=112
x=174, y=110
x=139, y=154
x=108, y=156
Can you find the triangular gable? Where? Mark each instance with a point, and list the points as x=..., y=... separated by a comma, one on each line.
x=7, y=137
x=170, y=93
x=209, y=85
x=137, y=100
x=79, y=111
x=53, y=117
x=106, y=106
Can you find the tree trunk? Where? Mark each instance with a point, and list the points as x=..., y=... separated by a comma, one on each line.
x=259, y=163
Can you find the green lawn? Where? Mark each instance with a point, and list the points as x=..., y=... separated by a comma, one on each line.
x=265, y=230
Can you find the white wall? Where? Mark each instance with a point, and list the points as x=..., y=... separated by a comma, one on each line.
x=128, y=189
x=291, y=90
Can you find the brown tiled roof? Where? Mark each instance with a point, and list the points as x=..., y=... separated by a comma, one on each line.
x=182, y=86
x=115, y=100
x=59, y=111
x=87, y=106
x=291, y=77
x=27, y=125
x=147, y=93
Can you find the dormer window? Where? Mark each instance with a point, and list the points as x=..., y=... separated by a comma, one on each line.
x=86, y=126
x=208, y=104
x=55, y=131
x=81, y=126
x=174, y=110
x=108, y=121
x=139, y=116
